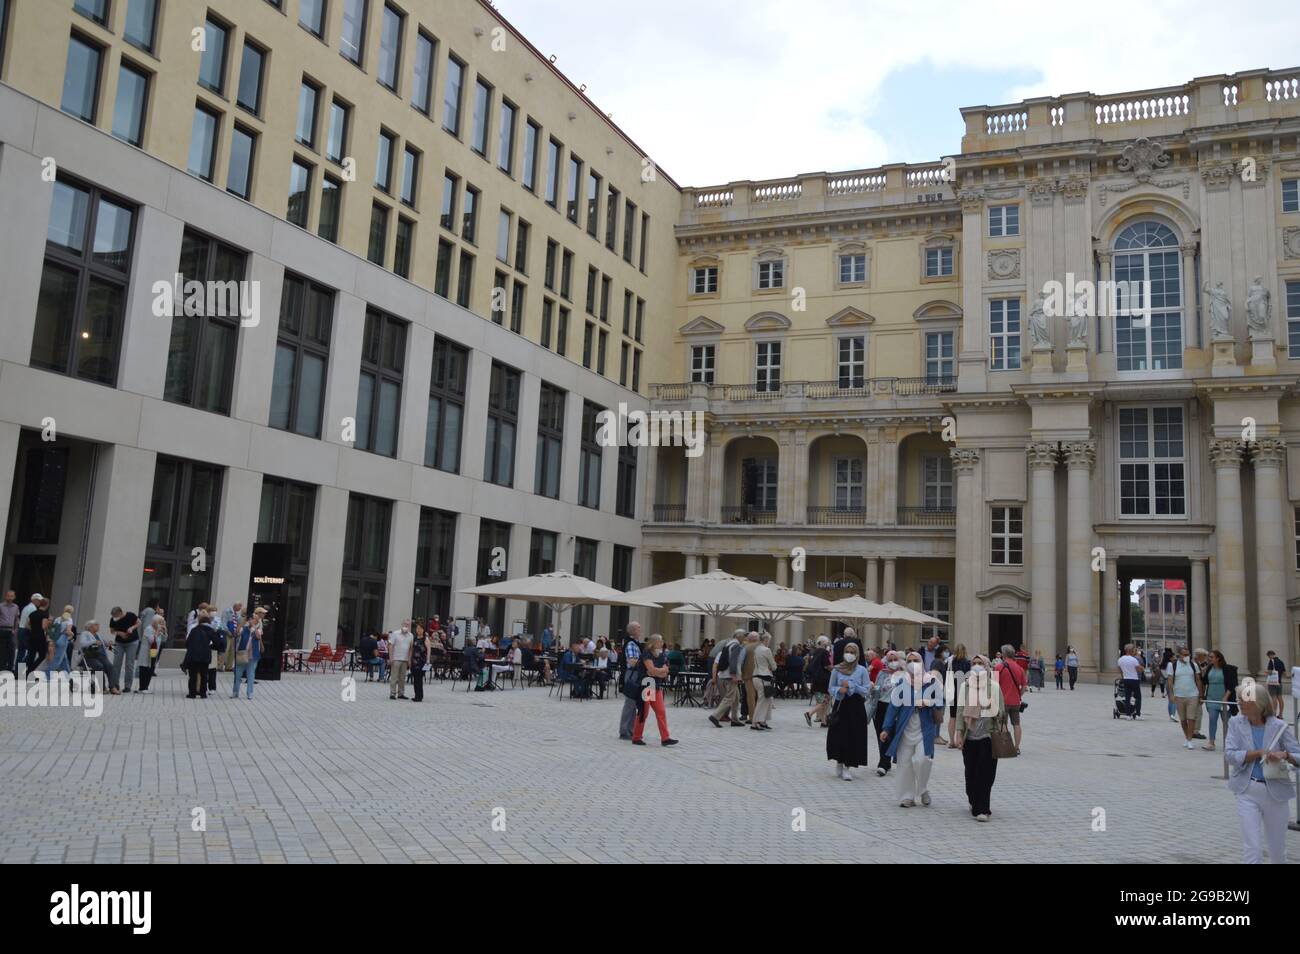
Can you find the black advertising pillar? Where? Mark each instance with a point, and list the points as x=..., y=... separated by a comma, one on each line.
x=268, y=586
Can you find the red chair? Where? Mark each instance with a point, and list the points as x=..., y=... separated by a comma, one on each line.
x=316, y=657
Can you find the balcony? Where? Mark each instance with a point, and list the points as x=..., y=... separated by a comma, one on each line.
x=748, y=515
x=837, y=516
x=927, y=517
x=859, y=389
x=670, y=513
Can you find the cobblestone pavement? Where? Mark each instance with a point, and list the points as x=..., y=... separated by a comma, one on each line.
x=300, y=775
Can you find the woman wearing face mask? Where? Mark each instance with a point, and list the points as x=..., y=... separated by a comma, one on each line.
x=846, y=741
x=888, y=676
x=910, y=730
x=974, y=739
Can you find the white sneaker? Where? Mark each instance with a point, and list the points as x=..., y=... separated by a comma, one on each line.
x=1173, y=718
x=846, y=775
x=1189, y=745
x=925, y=798
x=981, y=818
x=839, y=769
x=907, y=803
x=881, y=772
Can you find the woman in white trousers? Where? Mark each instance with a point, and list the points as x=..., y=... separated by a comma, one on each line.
x=1259, y=747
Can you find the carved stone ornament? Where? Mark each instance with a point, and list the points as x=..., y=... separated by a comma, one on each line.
x=1217, y=175
x=1043, y=455
x=1270, y=452
x=1042, y=192
x=1258, y=307
x=1142, y=158
x=1004, y=263
x=1291, y=242
x=972, y=200
x=1074, y=190
x=1080, y=455
x=1225, y=453
x=964, y=459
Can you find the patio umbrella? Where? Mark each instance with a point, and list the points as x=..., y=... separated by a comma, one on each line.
x=715, y=594
x=559, y=591
x=773, y=603
x=905, y=615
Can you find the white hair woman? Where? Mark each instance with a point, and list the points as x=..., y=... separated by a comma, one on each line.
x=910, y=730
x=819, y=674
x=764, y=687
x=152, y=640
x=1259, y=748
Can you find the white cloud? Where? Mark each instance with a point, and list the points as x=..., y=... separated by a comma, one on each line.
x=717, y=90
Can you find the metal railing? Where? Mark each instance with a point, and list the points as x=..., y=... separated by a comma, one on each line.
x=843, y=389
x=927, y=516
x=837, y=516
x=930, y=384
x=670, y=513
x=748, y=514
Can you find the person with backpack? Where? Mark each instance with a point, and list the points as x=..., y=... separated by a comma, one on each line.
x=727, y=669
x=248, y=650
x=1184, y=678
x=631, y=659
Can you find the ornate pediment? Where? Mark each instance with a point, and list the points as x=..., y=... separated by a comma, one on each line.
x=1143, y=157
x=768, y=321
x=938, y=311
x=849, y=317
x=1005, y=589
x=702, y=326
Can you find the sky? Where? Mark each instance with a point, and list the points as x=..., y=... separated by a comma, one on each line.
x=723, y=90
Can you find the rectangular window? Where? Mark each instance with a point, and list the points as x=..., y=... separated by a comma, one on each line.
x=605, y=289
x=502, y=421
x=939, y=357
x=562, y=333
x=81, y=79
x=594, y=182
x=936, y=482
x=299, y=193
x=548, y=322
x=767, y=370
x=426, y=49
x=574, y=184
x=620, y=579
x=636, y=369
x=517, y=295
x=132, y=101
x=590, y=457
x=141, y=23
x=1151, y=462
x=384, y=161
x=629, y=228
x=1004, y=220
x=183, y=514
x=532, y=132
x=469, y=220
x=588, y=340
x=285, y=516
x=593, y=277
x=853, y=268
x=504, y=221
x=97, y=10
x=379, y=394
x=627, y=311
x=602, y=345
x=640, y=318
x=390, y=47
x=936, y=601
x=201, y=355
x=465, y=279
x=848, y=483
x=622, y=364
x=403, y=244
x=352, y=35
x=1293, y=319
x=1297, y=538
x=585, y=555
x=645, y=240
x=301, y=356
x=212, y=62
x=203, y=143
x=435, y=551
x=251, y=66
x=365, y=567
x=851, y=361
x=308, y=95
x=541, y=559
x=444, y=425
x=442, y=269
x=311, y=16
x=410, y=175
x=82, y=303
x=243, y=150
x=499, y=287
x=704, y=281
x=758, y=487
x=506, y=138
x=550, y=441
x=552, y=173
x=522, y=231
x=1150, y=341
x=938, y=262
x=566, y=274
x=493, y=538
x=377, y=248
x=548, y=275
x=625, y=497
x=482, y=115
x=447, y=217
x=702, y=359
x=338, y=136
x=771, y=274
x=1008, y=530
x=1291, y=195
x=1004, y=333
x=451, y=95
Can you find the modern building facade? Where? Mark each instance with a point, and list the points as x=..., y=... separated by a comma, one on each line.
x=449, y=261
x=459, y=260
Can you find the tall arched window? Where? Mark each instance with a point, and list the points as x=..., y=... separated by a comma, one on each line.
x=1147, y=259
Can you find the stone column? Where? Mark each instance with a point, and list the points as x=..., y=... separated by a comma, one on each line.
x=1106, y=341
x=1191, y=300
x=871, y=592
x=970, y=530
x=711, y=622
x=713, y=490
x=1042, y=548
x=1271, y=558
x=798, y=446
x=118, y=532
x=1079, y=458
x=889, y=451
x=1110, y=606
x=1199, y=606
x=796, y=632
x=781, y=631
x=887, y=594
x=1230, y=630
x=690, y=625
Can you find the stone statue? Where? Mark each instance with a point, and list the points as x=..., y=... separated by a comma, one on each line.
x=1257, y=308
x=1220, y=309
x=1042, y=338
x=1079, y=321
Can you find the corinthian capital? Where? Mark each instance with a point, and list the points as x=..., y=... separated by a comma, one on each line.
x=1269, y=452
x=1080, y=454
x=1043, y=455
x=1225, y=453
x=964, y=460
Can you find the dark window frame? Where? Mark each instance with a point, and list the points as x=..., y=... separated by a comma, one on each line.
x=550, y=439
x=446, y=388
x=303, y=344
x=503, y=410
x=373, y=364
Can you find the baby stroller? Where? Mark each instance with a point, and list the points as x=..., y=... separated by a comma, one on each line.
x=1122, y=706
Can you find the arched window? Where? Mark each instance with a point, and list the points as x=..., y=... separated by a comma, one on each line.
x=1148, y=262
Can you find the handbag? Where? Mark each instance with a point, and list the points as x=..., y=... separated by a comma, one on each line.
x=1277, y=771
x=833, y=717
x=769, y=690
x=1004, y=744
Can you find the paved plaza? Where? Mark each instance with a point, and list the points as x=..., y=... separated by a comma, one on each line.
x=300, y=775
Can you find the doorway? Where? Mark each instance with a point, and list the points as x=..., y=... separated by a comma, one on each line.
x=1005, y=629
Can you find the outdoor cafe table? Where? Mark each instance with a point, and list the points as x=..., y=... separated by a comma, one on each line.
x=687, y=683
x=291, y=660
x=589, y=675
